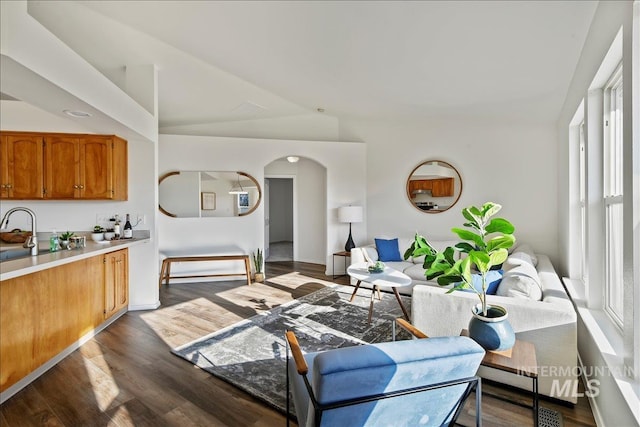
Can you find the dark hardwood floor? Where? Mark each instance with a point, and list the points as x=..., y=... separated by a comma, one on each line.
x=126, y=375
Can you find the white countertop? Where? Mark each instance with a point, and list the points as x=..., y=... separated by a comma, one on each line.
x=22, y=266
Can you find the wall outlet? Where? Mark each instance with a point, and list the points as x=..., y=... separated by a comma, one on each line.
x=103, y=219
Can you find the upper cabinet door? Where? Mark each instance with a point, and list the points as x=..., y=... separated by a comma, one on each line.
x=96, y=167
x=62, y=155
x=86, y=167
x=59, y=166
x=21, y=166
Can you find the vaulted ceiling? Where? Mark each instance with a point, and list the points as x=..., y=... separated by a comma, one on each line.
x=225, y=61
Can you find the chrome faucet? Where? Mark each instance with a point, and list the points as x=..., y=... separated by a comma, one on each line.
x=32, y=241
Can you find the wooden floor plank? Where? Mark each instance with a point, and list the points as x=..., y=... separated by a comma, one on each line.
x=127, y=376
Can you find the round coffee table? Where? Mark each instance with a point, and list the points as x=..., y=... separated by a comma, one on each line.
x=388, y=278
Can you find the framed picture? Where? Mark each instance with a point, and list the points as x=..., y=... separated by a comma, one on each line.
x=243, y=200
x=208, y=201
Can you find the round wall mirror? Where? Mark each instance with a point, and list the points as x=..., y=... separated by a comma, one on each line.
x=434, y=186
x=201, y=194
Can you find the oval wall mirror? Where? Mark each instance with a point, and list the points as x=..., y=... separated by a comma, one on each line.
x=434, y=186
x=201, y=194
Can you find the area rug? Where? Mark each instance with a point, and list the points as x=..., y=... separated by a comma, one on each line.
x=251, y=354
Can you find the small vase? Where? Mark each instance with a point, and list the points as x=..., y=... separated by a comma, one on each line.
x=259, y=277
x=493, y=331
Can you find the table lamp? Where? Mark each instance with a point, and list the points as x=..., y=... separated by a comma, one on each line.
x=350, y=214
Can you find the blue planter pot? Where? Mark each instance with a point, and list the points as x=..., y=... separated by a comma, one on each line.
x=492, y=332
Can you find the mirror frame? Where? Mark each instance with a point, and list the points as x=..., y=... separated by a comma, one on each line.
x=431, y=211
x=172, y=173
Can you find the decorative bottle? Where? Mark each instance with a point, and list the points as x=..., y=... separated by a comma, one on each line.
x=54, y=242
x=116, y=228
x=127, y=232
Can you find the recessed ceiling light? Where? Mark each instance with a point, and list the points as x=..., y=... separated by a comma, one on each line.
x=77, y=114
x=293, y=159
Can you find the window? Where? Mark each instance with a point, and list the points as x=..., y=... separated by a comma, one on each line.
x=613, y=201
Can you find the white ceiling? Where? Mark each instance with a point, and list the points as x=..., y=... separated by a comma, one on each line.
x=222, y=61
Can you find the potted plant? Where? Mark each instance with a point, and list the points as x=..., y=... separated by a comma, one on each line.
x=257, y=261
x=97, y=234
x=64, y=239
x=484, y=246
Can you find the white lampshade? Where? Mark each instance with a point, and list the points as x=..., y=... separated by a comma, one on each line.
x=350, y=214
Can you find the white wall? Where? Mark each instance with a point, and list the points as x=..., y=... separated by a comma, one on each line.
x=81, y=215
x=345, y=184
x=514, y=164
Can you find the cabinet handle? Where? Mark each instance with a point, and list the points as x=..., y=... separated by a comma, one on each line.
x=8, y=186
x=75, y=186
x=81, y=187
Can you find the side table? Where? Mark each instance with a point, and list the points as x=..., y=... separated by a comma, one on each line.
x=343, y=254
x=519, y=360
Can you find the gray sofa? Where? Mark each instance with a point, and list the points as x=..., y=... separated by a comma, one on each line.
x=540, y=312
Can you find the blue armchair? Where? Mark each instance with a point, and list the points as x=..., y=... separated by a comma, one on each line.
x=403, y=383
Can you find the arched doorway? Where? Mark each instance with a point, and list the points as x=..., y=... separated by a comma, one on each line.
x=295, y=211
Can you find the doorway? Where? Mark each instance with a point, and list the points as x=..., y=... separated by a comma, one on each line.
x=279, y=212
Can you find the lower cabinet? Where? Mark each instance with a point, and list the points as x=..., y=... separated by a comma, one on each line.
x=116, y=283
x=43, y=313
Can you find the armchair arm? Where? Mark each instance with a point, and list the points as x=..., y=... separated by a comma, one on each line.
x=410, y=328
x=298, y=358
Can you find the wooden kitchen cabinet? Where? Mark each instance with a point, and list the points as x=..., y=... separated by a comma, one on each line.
x=21, y=166
x=43, y=313
x=85, y=167
x=442, y=187
x=116, y=282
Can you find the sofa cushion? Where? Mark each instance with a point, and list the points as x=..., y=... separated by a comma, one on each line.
x=388, y=250
x=416, y=272
x=521, y=281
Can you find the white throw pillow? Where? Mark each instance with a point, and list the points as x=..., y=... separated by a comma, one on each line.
x=521, y=281
x=516, y=259
x=525, y=248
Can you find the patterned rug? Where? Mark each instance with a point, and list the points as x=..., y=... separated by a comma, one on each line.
x=251, y=354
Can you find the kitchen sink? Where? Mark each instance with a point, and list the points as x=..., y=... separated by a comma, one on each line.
x=11, y=251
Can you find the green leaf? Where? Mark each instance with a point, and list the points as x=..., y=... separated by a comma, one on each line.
x=498, y=257
x=481, y=260
x=448, y=255
x=500, y=225
x=500, y=242
x=474, y=211
x=489, y=209
x=465, y=247
x=465, y=269
x=473, y=219
x=469, y=235
x=447, y=280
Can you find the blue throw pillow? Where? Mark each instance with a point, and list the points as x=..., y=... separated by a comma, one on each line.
x=388, y=250
x=494, y=277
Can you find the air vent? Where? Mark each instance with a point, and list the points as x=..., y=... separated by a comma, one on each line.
x=248, y=109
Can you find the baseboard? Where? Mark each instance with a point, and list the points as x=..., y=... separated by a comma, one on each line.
x=597, y=416
x=9, y=392
x=141, y=307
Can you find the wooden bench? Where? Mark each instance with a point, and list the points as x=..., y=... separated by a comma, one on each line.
x=165, y=270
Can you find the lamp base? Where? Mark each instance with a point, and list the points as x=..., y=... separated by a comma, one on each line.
x=350, y=244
